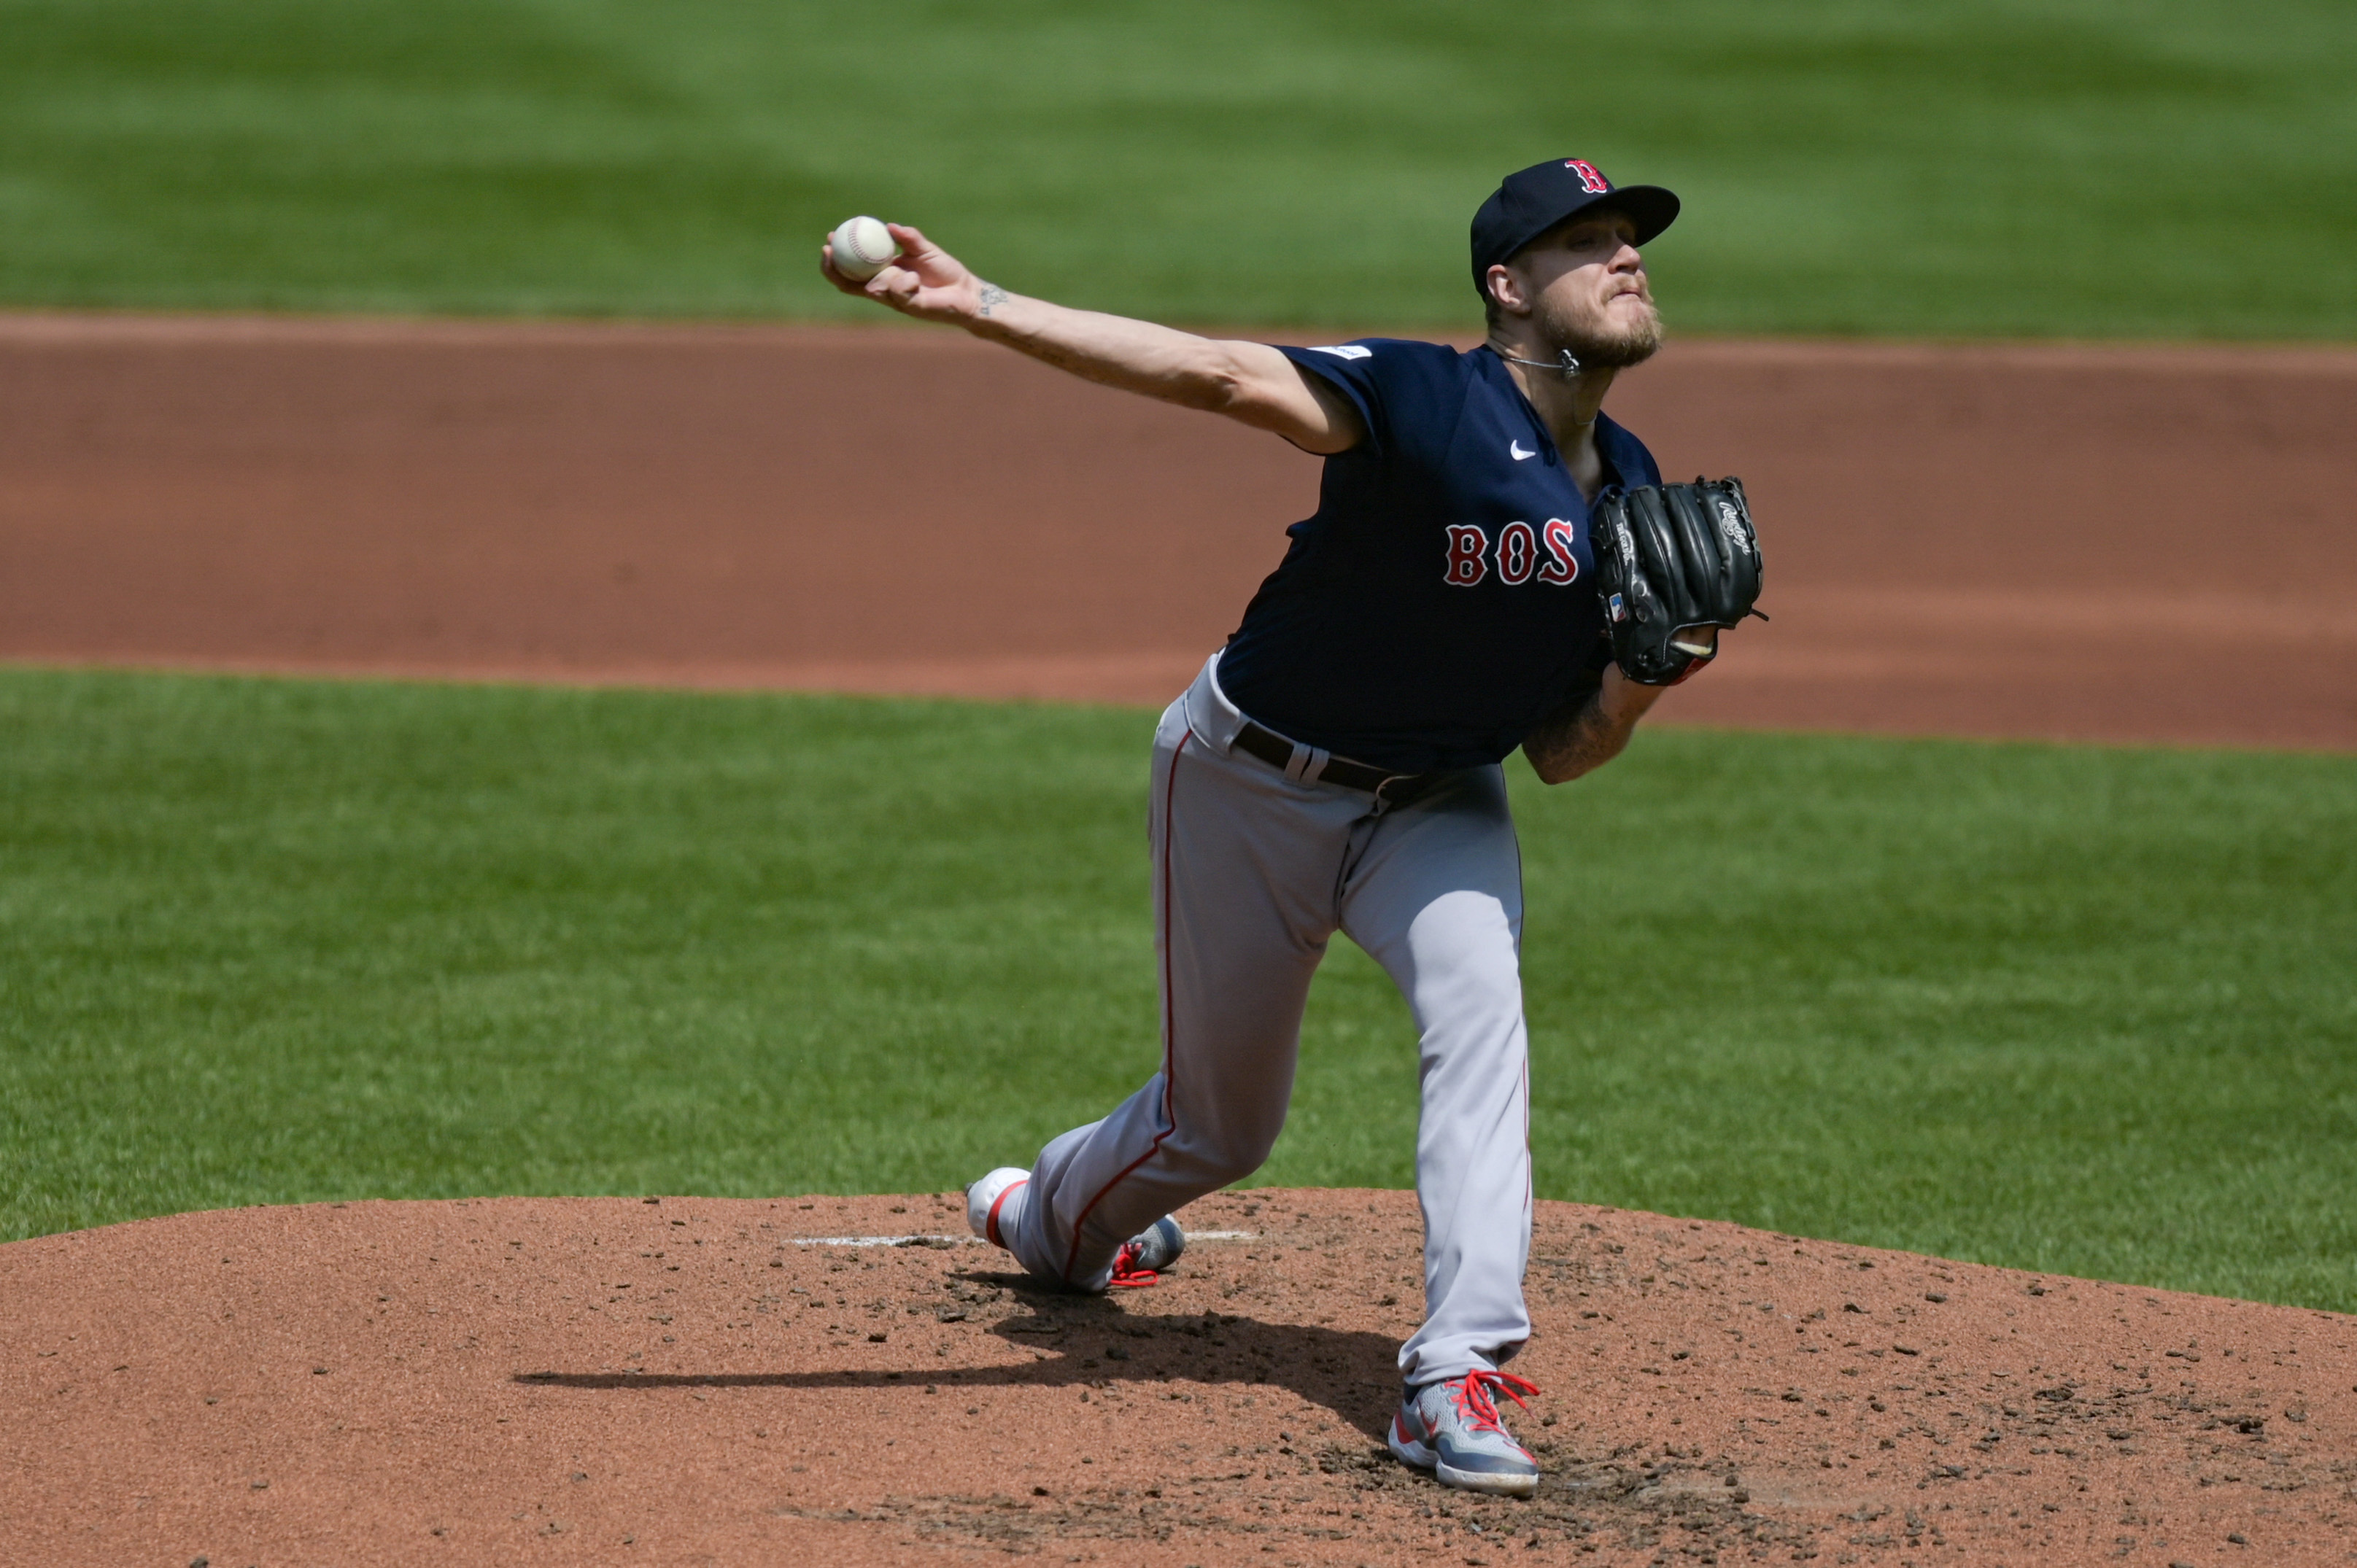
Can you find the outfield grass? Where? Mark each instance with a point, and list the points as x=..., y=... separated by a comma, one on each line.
x=2083, y=1010
x=2077, y=168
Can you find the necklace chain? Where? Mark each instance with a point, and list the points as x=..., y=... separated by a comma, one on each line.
x=1567, y=366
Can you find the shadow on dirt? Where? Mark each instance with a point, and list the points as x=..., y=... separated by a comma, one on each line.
x=1095, y=1342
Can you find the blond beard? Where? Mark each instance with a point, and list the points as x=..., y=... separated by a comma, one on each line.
x=1592, y=340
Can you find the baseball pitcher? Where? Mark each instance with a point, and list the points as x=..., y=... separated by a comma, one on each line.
x=1493, y=563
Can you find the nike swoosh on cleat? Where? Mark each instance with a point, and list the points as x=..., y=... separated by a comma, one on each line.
x=1514, y=450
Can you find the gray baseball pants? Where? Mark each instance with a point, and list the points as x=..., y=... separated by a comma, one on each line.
x=1255, y=869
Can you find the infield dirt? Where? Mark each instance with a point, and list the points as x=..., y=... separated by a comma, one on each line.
x=697, y=1380
x=2093, y=544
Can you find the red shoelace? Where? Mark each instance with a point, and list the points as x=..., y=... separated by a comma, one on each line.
x=1127, y=1275
x=1477, y=1405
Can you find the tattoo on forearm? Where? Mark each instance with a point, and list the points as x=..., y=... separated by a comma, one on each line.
x=1574, y=743
x=992, y=294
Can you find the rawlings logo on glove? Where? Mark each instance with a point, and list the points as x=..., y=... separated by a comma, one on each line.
x=1672, y=561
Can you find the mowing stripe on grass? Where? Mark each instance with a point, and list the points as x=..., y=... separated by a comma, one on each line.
x=2068, y=169
x=2075, y=1009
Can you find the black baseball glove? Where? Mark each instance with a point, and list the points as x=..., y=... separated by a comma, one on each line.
x=1672, y=561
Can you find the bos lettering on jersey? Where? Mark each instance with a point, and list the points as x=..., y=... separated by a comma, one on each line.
x=1520, y=554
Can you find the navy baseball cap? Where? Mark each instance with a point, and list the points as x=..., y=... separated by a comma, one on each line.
x=1529, y=202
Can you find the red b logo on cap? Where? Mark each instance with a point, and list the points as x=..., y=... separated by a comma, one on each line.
x=1590, y=181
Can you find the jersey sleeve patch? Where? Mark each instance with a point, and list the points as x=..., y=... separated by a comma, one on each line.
x=1352, y=370
x=1409, y=392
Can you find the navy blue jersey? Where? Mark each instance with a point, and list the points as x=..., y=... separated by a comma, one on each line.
x=1442, y=601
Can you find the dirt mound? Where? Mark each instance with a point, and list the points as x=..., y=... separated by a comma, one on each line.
x=2118, y=544
x=695, y=1380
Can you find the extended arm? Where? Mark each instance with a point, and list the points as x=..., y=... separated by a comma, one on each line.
x=1250, y=383
x=1582, y=737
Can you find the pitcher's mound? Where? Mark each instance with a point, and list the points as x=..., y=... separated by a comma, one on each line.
x=701, y=1381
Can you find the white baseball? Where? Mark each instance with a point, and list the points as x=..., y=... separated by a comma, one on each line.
x=862, y=246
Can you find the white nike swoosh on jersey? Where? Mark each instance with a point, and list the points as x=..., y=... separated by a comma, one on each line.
x=1344, y=350
x=1514, y=450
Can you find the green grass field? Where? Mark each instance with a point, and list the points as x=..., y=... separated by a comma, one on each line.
x=2084, y=1010
x=2172, y=168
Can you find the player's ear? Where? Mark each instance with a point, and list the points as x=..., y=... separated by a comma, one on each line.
x=1506, y=290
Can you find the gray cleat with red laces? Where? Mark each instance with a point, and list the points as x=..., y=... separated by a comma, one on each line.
x=1143, y=1257
x=1139, y=1262
x=1452, y=1429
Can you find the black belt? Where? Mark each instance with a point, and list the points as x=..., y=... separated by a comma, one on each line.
x=1395, y=789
